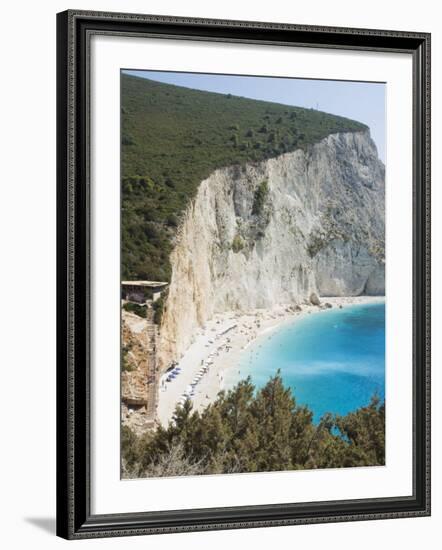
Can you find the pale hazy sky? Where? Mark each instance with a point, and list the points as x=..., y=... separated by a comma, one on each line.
x=362, y=101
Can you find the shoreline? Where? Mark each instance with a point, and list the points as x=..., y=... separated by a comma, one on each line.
x=212, y=357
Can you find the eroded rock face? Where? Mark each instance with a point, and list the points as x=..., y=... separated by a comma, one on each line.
x=277, y=231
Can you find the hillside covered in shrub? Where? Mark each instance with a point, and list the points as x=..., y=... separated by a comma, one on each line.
x=174, y=137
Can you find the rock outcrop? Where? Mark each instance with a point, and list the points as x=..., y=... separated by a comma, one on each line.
x=139, y=373
x=274, y=232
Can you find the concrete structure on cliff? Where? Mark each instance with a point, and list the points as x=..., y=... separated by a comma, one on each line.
x=142, y=291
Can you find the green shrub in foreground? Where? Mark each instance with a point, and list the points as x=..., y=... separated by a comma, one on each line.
x=246, y=430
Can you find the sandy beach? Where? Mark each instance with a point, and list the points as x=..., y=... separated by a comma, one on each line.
x=210, y=363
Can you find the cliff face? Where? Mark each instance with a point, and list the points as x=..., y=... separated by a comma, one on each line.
x=274, y=232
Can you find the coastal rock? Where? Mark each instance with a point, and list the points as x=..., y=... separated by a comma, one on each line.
x=314, y=300
x=275, y=232
x=138, y=370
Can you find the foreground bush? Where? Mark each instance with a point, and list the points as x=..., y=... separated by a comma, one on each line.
x=256, y=431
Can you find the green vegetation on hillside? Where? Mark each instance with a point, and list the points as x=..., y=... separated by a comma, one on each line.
x=237, y=244
x=260, y=197
x=174, y=137
x=138, y=309
x=255, y=431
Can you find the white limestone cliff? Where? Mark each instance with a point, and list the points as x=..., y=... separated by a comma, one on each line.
x=273, y=232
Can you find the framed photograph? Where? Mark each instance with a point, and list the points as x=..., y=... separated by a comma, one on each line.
x=243, y=274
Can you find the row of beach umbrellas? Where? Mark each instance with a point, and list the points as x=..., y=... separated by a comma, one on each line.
x=190, y=390
x=173, y=374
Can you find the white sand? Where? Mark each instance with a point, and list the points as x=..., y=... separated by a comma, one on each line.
x=224, y=350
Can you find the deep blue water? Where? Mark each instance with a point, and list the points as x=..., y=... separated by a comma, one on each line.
x=334, y=360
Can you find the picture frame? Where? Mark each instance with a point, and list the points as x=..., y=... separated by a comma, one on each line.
x=75, y=217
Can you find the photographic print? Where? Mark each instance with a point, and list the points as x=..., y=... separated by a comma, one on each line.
x=252, y=274
x=243, y=274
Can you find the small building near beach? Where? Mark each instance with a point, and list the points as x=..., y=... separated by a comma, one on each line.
x=142, y=291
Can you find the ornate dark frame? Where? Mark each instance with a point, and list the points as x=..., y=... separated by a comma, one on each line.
x=74, y=518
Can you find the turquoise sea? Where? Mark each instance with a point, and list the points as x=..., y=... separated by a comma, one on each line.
x=334, y=360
